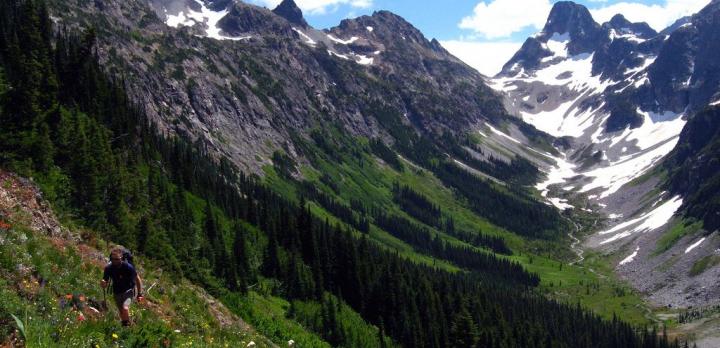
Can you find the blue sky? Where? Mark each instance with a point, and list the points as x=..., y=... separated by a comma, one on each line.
x=486, y=33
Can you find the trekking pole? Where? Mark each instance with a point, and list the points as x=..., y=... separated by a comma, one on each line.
x=105, y=291
x=104, y=302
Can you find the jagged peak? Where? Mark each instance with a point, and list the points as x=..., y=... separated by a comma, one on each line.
x=624, y=26
x=289, y=10
x=386, y=24
x=391, y=18
x=569, y=17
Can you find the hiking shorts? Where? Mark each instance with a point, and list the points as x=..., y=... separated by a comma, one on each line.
x=124, y=299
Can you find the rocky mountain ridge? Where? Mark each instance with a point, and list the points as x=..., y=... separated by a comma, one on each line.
x=246, y=79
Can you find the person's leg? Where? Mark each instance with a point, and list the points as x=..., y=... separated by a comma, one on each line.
x=123, y=304
x=125, y=314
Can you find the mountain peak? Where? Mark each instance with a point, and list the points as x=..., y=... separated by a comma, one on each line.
x=620, y=24
x=567, y=16
x=289, y=10
x=574, y=19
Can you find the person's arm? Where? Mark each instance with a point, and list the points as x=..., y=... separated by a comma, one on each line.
x=106, y=276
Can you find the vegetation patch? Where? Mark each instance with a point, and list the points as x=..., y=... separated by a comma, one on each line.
x=704, y=264
x=680, y=229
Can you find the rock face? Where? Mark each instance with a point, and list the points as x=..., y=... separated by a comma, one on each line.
x=619, y=96
x=246, y=82
x=290, y=11
x=568, y=17
x=623, y=26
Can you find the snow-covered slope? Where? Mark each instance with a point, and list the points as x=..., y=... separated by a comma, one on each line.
x=617, y=96
x=567, y=95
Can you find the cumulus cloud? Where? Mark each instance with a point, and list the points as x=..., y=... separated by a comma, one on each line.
x=502, y=18
x=658, y=16
x=486, y=57
x=318, y=7
x=493, y=19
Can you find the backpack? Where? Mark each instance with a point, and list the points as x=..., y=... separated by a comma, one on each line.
x=126, y=257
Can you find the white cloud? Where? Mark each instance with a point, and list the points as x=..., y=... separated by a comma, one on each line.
x=658, y=16
x=486, y=57
x=318, y=7
x=502, y=18
x=494, y=19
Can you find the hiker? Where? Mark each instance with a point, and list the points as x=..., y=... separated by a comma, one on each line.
x=125, y=281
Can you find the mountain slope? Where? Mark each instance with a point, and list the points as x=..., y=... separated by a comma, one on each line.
x=104, y=167
x=43, y=261
x=287, y=78
x=628, y=106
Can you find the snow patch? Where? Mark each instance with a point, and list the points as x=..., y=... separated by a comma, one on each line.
x=560, y=203
x=370, y=29
x=560, y=122
x=631, y=257
x=343, y=42
x=308, y=40
x=652, y=220
x=657, y=128
x=557, y=44
x=717, y=102
x=363, y=60
x=207, y=16
x=648, y=61
x=641, y=82
x=338, y=55
x=695, y=245
x=612, y=177
x=626, y=34
x=560, y=173
x=502, y=134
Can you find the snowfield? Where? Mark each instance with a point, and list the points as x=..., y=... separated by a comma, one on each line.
x=654, y=219
x=631, y=257
x=207, y=16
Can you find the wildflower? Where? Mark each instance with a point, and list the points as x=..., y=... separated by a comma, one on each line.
x=251, y=344
x=291, y=343
x=114, y=336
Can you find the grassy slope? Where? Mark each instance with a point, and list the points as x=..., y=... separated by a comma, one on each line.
x=38, y=273
x=593, y=284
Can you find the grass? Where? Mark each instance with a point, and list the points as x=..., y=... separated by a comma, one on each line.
x=269, y=314
x=51, y=285
x=679, y=229
x=593, y=284
x=704, y=264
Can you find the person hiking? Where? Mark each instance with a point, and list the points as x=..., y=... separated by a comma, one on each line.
x=126, y=283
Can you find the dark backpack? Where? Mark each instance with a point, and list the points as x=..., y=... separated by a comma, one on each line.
x=126, y=257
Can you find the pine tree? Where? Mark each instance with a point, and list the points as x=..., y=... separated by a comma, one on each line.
x=464, y=331
x=241, y=265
